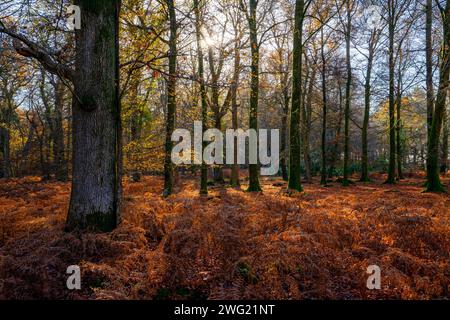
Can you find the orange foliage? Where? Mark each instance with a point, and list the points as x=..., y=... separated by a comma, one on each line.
x=229, y=245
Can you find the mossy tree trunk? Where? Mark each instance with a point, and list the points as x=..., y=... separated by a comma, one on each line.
x=433, y=179
x=444, y=145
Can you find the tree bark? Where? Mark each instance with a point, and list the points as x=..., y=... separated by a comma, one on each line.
x=5, y=171
x=294, y=133
x=234, y=110
x=171, y=100
x=367, y=96
x=392, y=149
x=433, y=179
x=323, y=178
x=254, y=185
x=59, y=160
x=429, y=65
x=399, y=120
x=204, y=168
x=306, y=125
x=96, y=184
x=348, y=97
x=444, y=145
x=284, y=129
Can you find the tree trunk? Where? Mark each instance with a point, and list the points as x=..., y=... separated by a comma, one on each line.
x=171, y=100
x=392, y=150
x=234, y=111
x=254, y=90
x=429, y=65
x=96, y=183
x=59, y=161
x=306, y=125
x=284, y=129
x=399, y=120
x=444, y=145
x=295, y=154
x=348, y=93
x=335, y=155
x=218, y=172
x=367, y=95
x=204, y=168
x=323, y=176
x=433, y=179
x=5, y=170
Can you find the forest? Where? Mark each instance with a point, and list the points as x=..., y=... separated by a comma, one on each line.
x=138, y=140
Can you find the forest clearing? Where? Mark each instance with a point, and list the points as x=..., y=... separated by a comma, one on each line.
x=230, y=244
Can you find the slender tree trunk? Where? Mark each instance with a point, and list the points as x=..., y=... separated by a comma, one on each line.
x=171, y=100
x=27, y=147
x=234, y=110
x=367, y=95
x=399, y=121
x=392, y=149
x=433, y=179
x=323, y=178
x=96, y=184
x=59, y=159
x=429, y=65
x=295, y=150
x=284, y=129
x=444, y=145
x=306, y=125
x=218, y=172
x=348, y=97
x=204, y=168
x=5, y=171
x=335, y=156
x=254, y=90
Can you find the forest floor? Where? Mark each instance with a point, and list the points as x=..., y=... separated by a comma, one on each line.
x=231, y=244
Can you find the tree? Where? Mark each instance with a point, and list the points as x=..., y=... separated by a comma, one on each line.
x=392, y=24
x=429, y=65
x=171, y=99
x=444, y=145
x=254, y=185
x=236, y=21
x=433, y=179
x=374, y=38
x=96, y=184
x=204, y=169
x=294, y=182
x=348, y=89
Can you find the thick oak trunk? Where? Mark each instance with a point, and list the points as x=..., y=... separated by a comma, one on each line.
x=96, y=184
